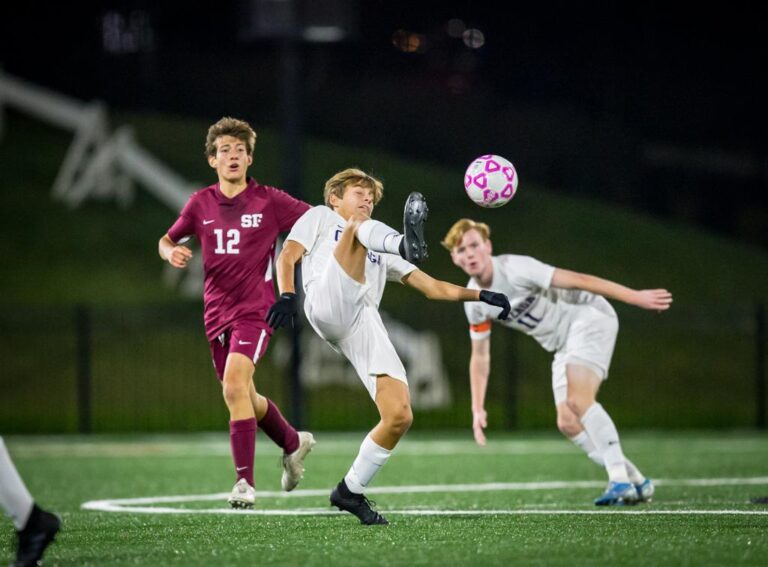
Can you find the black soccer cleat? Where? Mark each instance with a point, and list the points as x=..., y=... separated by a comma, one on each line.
x=414, y=246
x=37, y=535
x=356, y=504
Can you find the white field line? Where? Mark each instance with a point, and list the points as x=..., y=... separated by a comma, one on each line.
x=427, y=512
x=139, y=505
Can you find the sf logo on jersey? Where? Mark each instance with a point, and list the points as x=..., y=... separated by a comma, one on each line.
x=251, y=221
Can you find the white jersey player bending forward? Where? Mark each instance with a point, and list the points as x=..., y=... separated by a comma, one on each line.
x=566, y=313
x=346, y=259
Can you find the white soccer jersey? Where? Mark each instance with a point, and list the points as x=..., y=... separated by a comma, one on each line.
x=318, y=231
x=537, y=310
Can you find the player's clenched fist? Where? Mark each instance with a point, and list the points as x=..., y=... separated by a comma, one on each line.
x=179, y=256
x=497, y=300
x=282, y=311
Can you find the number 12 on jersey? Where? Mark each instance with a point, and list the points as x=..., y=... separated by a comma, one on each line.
x=228, y=246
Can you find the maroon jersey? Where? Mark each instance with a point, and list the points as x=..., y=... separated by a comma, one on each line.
x=237, y=238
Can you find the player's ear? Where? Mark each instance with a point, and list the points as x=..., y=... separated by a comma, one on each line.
x=455, y=258
x=489, y=246
x=212, y=161
x=250, y=160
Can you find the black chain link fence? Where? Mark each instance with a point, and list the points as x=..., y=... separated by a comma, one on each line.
x=147, y=368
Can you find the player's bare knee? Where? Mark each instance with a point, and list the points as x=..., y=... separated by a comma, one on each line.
x=357, y=219
x=352, y=225
x=569, y=426
x=348, y=237
x=400, y=420
x=234, y=392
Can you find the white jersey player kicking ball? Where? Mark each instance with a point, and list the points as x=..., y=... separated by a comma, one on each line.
x=346, y=259
x=566, y=313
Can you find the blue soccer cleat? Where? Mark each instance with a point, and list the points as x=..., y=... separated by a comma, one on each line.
x=645, y=491
x=618, y=494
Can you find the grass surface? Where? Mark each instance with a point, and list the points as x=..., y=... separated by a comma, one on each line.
x=540, y=524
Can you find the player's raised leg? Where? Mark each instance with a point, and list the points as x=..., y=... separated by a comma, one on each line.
x=350, y=251
x=583, y=384
x=236, y=384
x=411, y=244
x=393, y=403
x=296, y=445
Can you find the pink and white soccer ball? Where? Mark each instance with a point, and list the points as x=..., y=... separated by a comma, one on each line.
x=490, y=181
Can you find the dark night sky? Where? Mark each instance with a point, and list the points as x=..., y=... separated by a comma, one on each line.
x=536, y=51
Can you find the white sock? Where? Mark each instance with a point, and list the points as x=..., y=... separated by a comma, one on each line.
x=368, y=462
x=634, y=474
x=602, y=432
x=584, y=443
x=379, y=237
x=15, y=499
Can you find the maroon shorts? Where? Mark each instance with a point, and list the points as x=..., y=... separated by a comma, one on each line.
x=249, y=338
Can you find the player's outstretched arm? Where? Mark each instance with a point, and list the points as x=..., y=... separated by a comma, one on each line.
x=479, y=370
x=654, y=299
x=285, y=308
x=176, y=255
x=445, y=291
x=438, y=289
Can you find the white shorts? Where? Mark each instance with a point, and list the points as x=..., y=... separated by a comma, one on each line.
x=337, y=308
x=590, y=342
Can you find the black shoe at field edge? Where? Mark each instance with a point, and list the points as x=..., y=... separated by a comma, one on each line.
x=37, y=535
x=414, y=246
x=356, y=504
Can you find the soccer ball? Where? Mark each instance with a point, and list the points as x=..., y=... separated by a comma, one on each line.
x=490, y=181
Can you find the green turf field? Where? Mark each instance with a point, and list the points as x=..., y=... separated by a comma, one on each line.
x=523, y=499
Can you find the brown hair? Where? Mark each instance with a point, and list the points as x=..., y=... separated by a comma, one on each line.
x=228, y=126
x=460, y=228
x=348, y=177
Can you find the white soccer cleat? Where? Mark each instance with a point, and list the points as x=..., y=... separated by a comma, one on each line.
x=243, y=495
x=293, y=464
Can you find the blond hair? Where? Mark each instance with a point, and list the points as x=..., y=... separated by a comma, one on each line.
x=460, y=228
x=229, y=126
x=337, y=184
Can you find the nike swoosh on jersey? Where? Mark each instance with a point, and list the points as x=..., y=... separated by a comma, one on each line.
x=209, y=221
x=244, y=342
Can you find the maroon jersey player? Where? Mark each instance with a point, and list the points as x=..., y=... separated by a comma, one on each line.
x=236, y=222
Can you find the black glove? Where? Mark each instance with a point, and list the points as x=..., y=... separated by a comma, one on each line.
x=497, y=300
x=282, y=311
